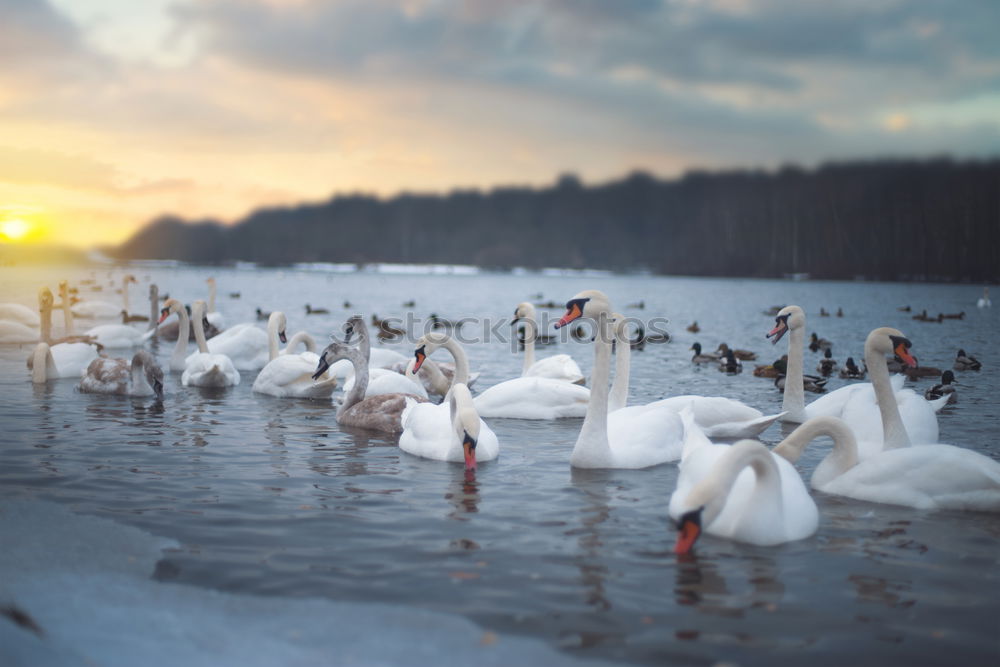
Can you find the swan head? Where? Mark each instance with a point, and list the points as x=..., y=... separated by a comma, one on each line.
x=524, y=311
x=426, y=345
x=331, y=353
x=789, y=317
x=354, y=325
x=152, y=371
x=45, y=298
x=590, y=304
x=170, y=306
x=278, y=322
x=465, y=421
x=688, y=530
x=886, y=340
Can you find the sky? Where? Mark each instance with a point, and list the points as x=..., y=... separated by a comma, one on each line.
x=113, y=112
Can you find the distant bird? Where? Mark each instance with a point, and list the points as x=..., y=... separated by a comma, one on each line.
x=234, y=295
x=261, y=315
x=316, y=311
x=966, y=362
x=772, y=370
x=126, y=318
x=816, y=343
x=903, y=309
x=823, y=312
x=347, y=305
x=840, y=312
x=638, y=304
x=812, y=383
x=984, y=300
x=409, y=304
x=939, y=390
x=693, y=327
x=700, y=358
x=742, y=355
x=440, y=322
x=917, y=372
x=729, y=364
x=954, y=316
x=850, y=371
x=540, y=339
x=827, y=365
x=385, y=330
x=549, y=304
x=922, y=316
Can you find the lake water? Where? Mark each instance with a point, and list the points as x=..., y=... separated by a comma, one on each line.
x=271, y=497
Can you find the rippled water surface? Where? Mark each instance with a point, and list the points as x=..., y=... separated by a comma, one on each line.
x=272, y=497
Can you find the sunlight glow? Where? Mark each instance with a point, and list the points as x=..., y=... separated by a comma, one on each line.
x=14, y=230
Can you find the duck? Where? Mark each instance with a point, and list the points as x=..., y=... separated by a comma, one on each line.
x=966, y=362
x=441, y=323
x=703, y=358
x=126, y=318
x=377, y=413
x=827, y=365
x=316, y=311
x=812, y=383
x=262, y=316
x=770, y=507
x=742, y=355
x=409, y=304
x=290, y=375
x=851, y=371
x=558, y=366
x=924, y=476
x=452, y=431
x=380, y=380
x=823, y=312
x=639, y=305
x=141, y=376
x=945, y=388
x=917, y=372
x=629, y=437
x=954, y=316
x=840, y=312
x=858, y=403
x=816, y=343
x=772, y=370
x=385, y=330
x=693, y=327
x=729, y=364
x=520, y=398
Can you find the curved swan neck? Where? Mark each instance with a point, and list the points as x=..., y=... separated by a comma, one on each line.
x=154, y=302
x=177, y=359
x=893, y=431
x=211, y=295
x=845, y=448
x=623, y=357
x=274, y=323
x=198, y=314
x=461, y=361
x=530, y=333
x=794, y=401
x=43, y=365
x=592, y=443
x=714, y=489
x=303, y=338
x=360, y=363
x=45, y=317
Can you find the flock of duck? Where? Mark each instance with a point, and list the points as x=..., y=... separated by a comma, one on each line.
x=885, y=437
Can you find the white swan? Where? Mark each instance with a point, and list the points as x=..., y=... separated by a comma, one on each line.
x=15, y=332
x=380, y=380
x=214, y=317
x=92, y=310
x=15, y=312
x=116, y=336
x=245, y=344
x=304, y=339
x=290, y=375
x=917, y=413
x=636, y=437
x=984, y=300
x=203, y=368
x=774, y=509
x=451, y=431
x=556, y=367
x=932, y=476
x=378, y=413
x=70, y=355
x=719, y=417
x=140, y=377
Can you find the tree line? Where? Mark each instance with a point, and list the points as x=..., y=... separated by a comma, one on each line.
x=933, y=220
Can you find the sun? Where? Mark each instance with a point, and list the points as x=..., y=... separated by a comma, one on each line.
x=15, y=229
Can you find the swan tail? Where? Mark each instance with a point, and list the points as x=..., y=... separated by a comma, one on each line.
x=744, y=429
x=939, y=403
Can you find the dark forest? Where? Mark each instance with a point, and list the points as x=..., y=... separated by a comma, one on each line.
x=936, y=220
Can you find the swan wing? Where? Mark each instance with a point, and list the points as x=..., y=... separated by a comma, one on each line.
x=640, y=437
x=533, y=398
x=15, y=332
x=72, y=359
x=15, y=312
x=556, y=367
x=247, y=348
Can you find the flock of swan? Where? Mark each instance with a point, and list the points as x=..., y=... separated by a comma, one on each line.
x=885, y=437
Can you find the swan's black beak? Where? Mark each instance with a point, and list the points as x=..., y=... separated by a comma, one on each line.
x=282, y=337
x=158, y=389
x=689, y=528
x=779, y=330
x=321, y=367
x=419, y=354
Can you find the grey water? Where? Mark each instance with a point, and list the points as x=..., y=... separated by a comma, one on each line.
x=272, y=497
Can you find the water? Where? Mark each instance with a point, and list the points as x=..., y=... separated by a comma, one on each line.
x=271, y=497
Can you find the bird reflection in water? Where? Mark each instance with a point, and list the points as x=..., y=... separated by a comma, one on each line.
x=464, y=494
x=700, y=583
x=594, y=513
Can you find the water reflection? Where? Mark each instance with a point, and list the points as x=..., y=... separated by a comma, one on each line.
x=699, y=583
x=464, y=493
x=594, y=513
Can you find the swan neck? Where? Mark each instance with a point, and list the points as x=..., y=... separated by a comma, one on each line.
x=199, y=329
x=211, y=297
x=461, y=362
x=360, y=362
x=530, y=332
x=713, y=491
x=592, y=443
x=154, y=312
x=794, y=402
x=893, y=431
x=272, y=337
x=623, y=358
x=45, y=316
x=845, y=447
x=43, y=365
x=67, y=309
x=183, y=333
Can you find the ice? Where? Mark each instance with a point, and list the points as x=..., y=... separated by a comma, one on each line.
x=86, y=582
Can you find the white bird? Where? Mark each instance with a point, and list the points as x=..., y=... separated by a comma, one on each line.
x=556, y=367
x=931, y=476
x=245, y=344
x=140, y=377
x=65, y=360
x=290, y=375
x=772, y=508
x=107, y=310
x=984, y=300
x=203, y=368
x=117, y=336
x=380, y=380
x=636, y=437
x=214, y=317
x=451, y=431
x=15, y=332
x=15, y=312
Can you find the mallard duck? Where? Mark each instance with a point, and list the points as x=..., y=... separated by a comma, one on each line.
x=827, y=365
x=921, y=372
x=700, y=358
x=385, y=330
x=816, y=343
x=840, y=312
x=729, y=364
x=772, y=370
x=693, y=327
x=742, y=355
x=261, y=315
x=850, y=371
x=823, y=312
x=954, y=316
x=966, y=362
x=316, y=311
x=946, y=387
x=817, y=385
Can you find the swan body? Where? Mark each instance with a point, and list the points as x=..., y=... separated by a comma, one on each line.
x=246, y=345
x=15, y=332
x=15, y=312
x=203, y=368
x=385, y=381
x=140, y=377
x=556, y=367
x=930, y=476
x=117, y=336
x=635, y=437
x=290, y=375
x=714, y=494
x=64, y=360
x=533, y=398
x=442, y=432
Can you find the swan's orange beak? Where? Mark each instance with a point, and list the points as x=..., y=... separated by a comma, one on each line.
x=164, y=314
x=469, y=447
x=689, y=528
x=573, y=313
x=779, y=330
x=419, y=355
x=904, y=354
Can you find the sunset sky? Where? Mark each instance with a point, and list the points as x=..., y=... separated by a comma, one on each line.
x=115, y=111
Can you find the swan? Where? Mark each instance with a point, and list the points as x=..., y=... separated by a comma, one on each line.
x=213, y=316
x=203, y=368
x=930, y=476
x=451, y=431
x=290, y=375
x=15, y=312
x=380, y=380
x=116, y=336
x=92, y=310
x=629, y=437
x=245, y=344
x=304, y=339
x=70, y=354
x=379, y=413
x=917, y=413
x=984, y=300
x=15, y=332
x=558, y=366
x=436, y=378
x=774, y=509
x=141, y=377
